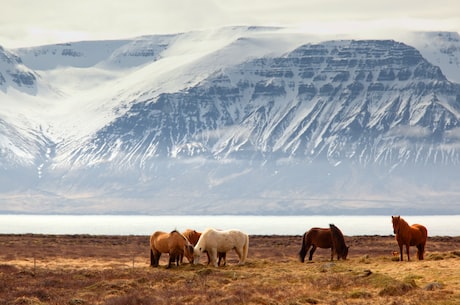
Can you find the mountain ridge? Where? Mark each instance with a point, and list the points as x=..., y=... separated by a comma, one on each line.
x=240, y=123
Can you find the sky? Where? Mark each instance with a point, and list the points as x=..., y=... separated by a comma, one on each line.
x=28, y=23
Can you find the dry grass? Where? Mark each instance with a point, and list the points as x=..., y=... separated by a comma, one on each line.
x=111, y=270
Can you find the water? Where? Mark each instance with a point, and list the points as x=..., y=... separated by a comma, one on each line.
x=254, y=225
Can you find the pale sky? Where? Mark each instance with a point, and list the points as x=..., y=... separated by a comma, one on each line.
x=29, y=23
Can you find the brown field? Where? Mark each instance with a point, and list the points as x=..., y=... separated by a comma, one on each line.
x=114, y=270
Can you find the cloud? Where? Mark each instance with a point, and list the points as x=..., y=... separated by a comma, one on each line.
x=24, y=23
x=454, y=133
x=409, y=131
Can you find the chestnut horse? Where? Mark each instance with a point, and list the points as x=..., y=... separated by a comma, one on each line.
x=414, y=235
x=324, y=238
x=173, y=243
x=193, y=237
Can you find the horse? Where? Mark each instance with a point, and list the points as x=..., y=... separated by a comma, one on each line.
x=414, y=235
x=215, y=241
x=324, y=238
x=193, y=237
x=173, y=243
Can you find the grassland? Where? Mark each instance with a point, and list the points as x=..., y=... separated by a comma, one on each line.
x=114, y=270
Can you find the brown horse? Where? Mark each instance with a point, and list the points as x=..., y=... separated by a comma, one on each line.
x=414, y=235
x=173, y=243
x=323, y=238
x=193, y=237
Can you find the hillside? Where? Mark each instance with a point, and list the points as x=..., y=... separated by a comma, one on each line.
x=237, y=120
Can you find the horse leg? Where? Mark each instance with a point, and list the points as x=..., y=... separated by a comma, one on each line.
x=313, y=249
x=240, y=253
x=332, y=254
x=172, y=259
x=401, y=251
x=407, y=249
x=156, y=257
x=222, y=256
x=213, y=256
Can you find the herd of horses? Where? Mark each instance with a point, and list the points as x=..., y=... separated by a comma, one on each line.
x=191, y=244
x=216, y=243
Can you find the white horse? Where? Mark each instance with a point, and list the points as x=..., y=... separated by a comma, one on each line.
x=215, y=241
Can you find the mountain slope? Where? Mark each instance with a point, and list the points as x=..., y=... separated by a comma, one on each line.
x=368, y=101
x=15, y=74
x=240, y=120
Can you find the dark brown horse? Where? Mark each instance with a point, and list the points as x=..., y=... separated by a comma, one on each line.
x=193, y=237
x=173, y=243
x=323, y=238
x=414, y=235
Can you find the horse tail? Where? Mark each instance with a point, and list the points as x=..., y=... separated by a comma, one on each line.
x=425, y=233
x=303, y=249
x=245, y=248
x=152, y=258
x=421, y=246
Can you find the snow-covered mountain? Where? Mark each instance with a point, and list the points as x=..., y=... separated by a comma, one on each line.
x=236, y=120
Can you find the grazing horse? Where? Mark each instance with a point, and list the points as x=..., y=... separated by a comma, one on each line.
x=215, y=241
x=414, y=235
x=193, y=237
x=324, y=238
x=173, y=243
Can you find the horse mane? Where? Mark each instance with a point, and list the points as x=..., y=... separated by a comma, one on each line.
x=181, y=235
x=403, y=222
x=337, y=238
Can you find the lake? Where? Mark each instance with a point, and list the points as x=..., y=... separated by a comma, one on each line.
x=445, y=225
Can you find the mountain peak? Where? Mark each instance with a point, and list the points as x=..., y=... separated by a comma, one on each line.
x=256, y=117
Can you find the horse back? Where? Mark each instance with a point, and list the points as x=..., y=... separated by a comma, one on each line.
x=222, y=240
x=159, y=241
x=320, y=237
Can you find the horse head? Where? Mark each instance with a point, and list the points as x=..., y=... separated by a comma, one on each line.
x=196, y=254
x=344, y=253
x=188, y=252
x=192, y=235
x=395, y=221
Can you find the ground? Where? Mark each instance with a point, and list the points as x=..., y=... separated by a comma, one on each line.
x=87, y=269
